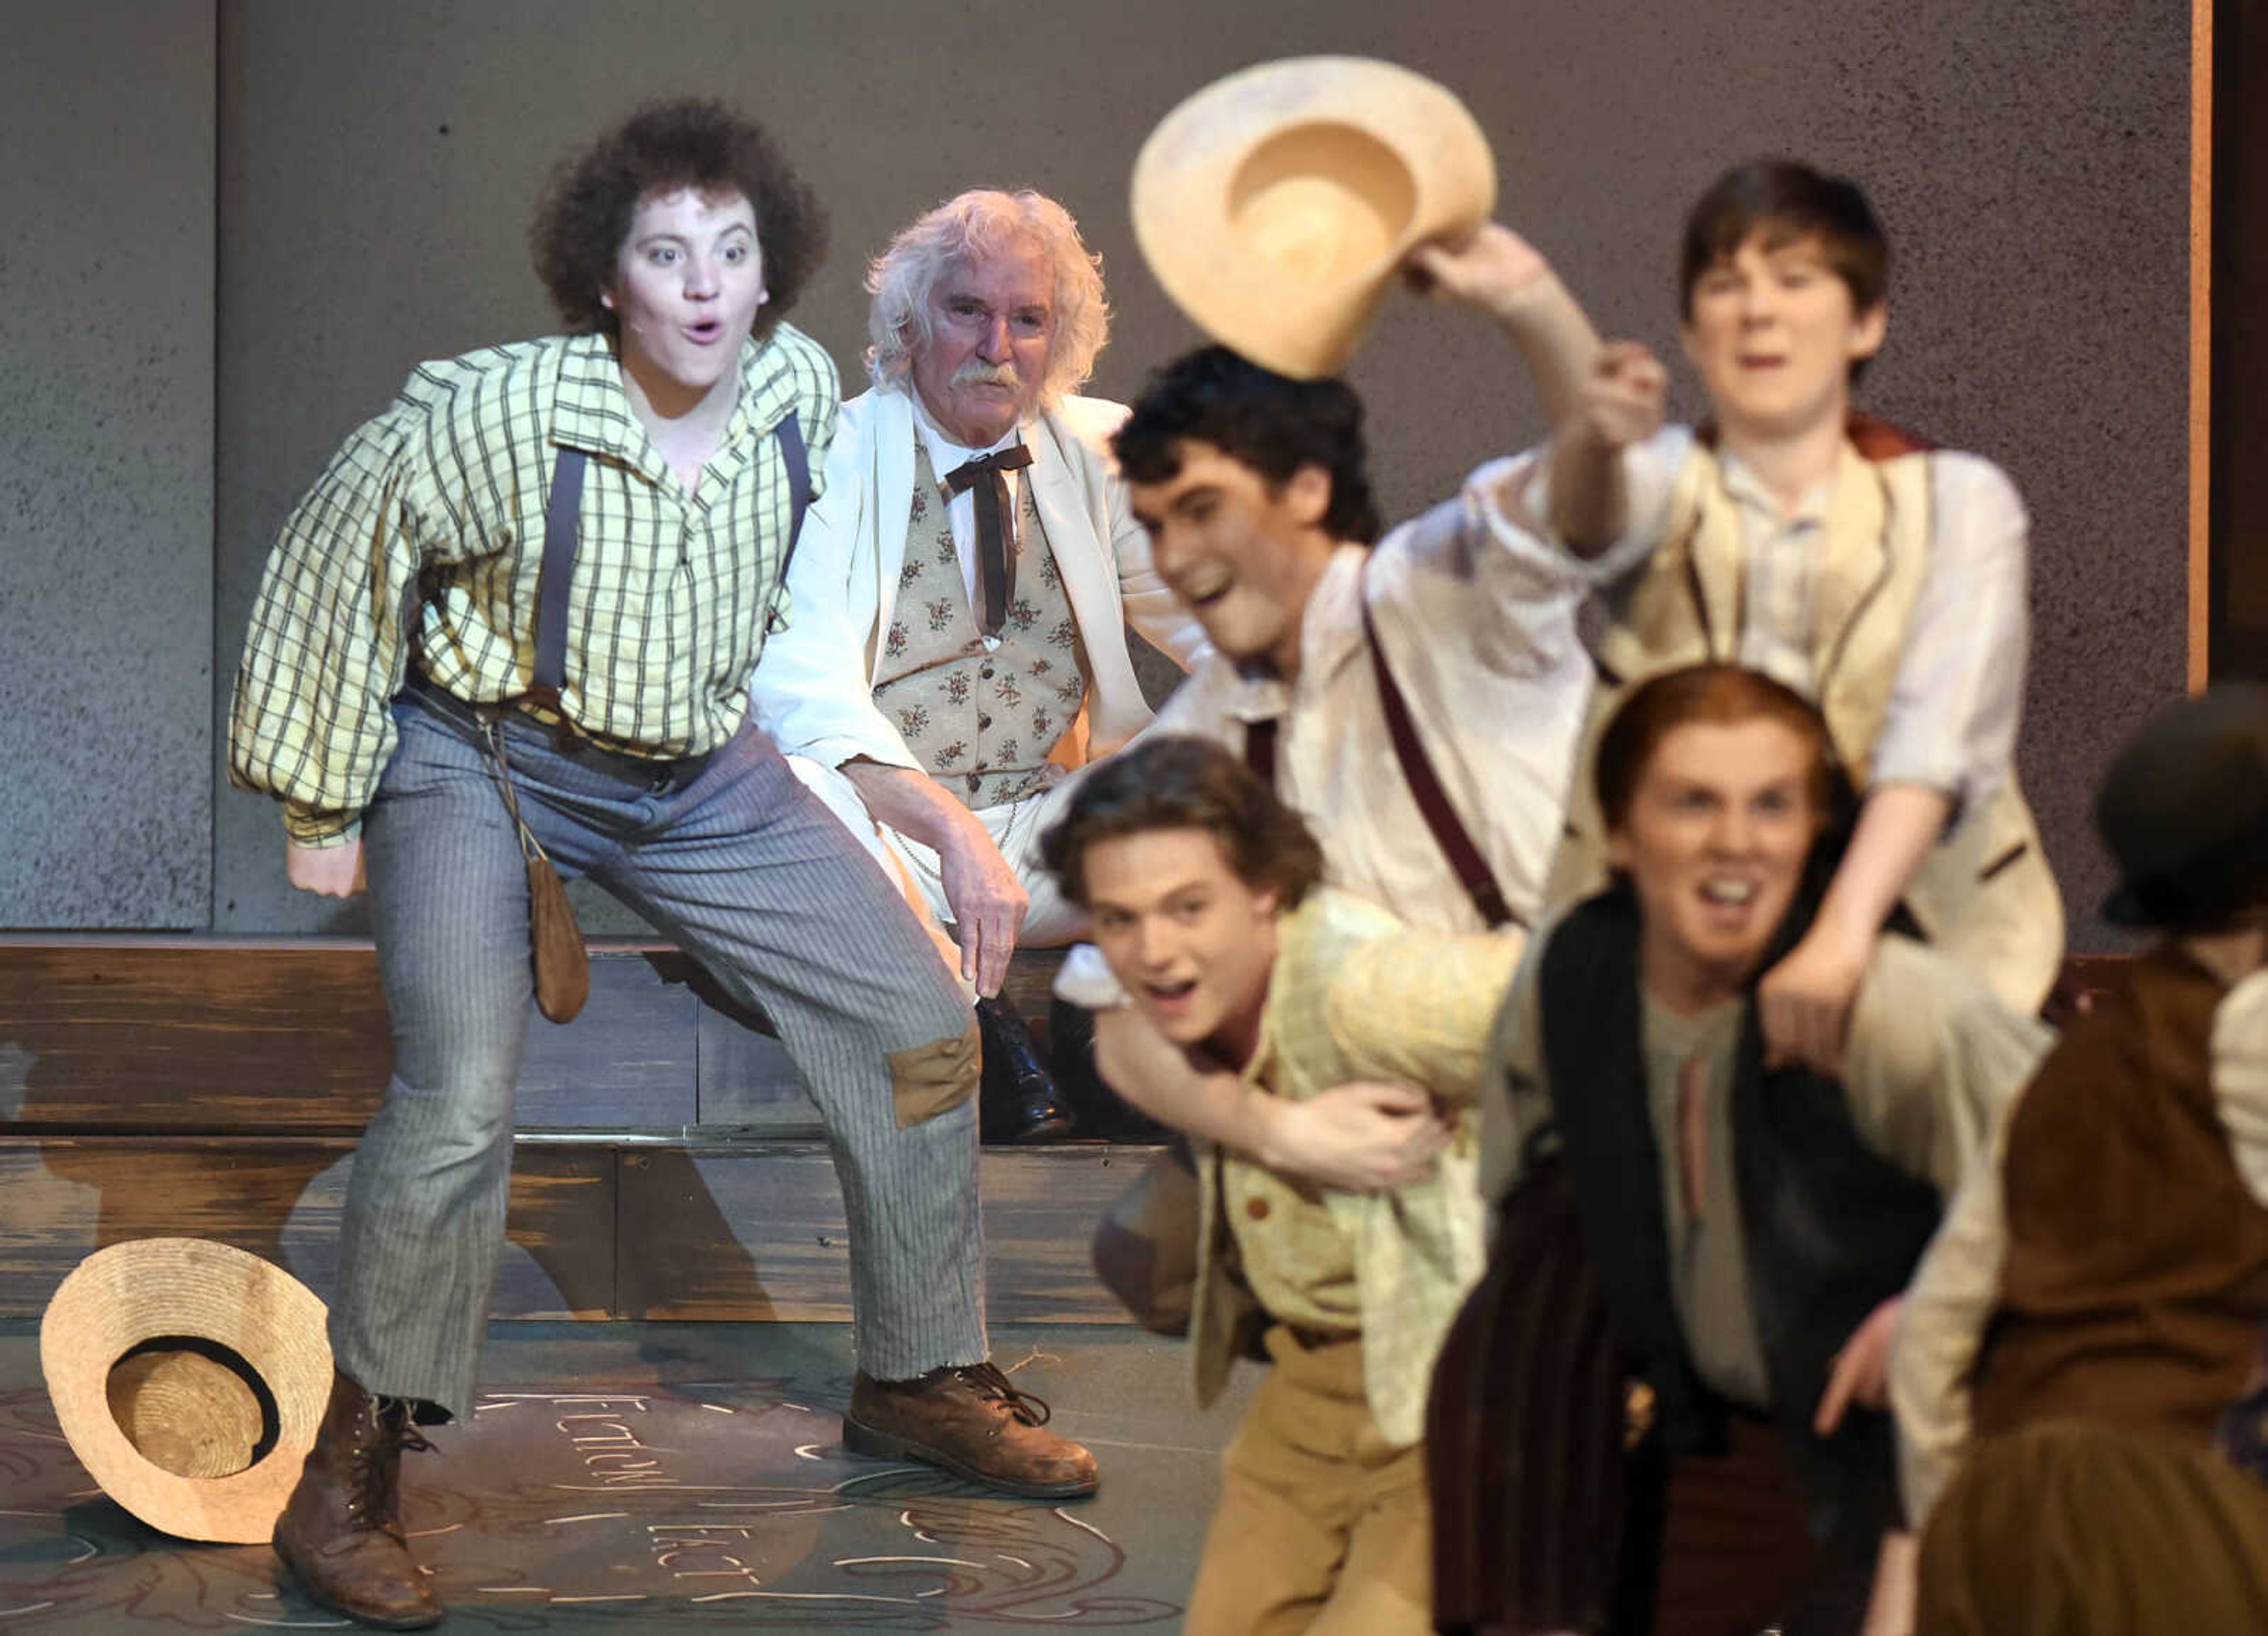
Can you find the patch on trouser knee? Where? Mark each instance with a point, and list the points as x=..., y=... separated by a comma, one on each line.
x=926, y=1080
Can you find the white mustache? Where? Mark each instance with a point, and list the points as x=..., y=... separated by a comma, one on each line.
x=977, y=373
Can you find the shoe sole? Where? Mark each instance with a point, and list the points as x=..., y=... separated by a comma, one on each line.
x=306, y=1584
x=879, y=1445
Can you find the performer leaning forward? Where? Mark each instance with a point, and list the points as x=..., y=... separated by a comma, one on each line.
x=384, y=699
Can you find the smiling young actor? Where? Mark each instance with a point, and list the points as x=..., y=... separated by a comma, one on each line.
x=2096, y=1302
x=1203, y=888
x=1880, y=577
x=1751, y=1225
x=1255, y=492
x=385, y=698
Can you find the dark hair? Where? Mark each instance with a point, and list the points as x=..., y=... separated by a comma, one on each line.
x=1784, y=201
x=1724, y=694
x=1181, y=783
x=584, y=214
x=1268, y=422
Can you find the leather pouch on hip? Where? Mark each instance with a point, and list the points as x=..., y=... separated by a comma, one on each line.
x=563, y=968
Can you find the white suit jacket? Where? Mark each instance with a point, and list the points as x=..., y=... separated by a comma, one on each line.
x=813, y=690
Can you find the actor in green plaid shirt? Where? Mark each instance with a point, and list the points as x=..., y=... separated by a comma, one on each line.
x=384, y=679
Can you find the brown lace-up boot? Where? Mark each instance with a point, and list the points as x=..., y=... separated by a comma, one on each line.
x=974, y=1424
x=340, y=1535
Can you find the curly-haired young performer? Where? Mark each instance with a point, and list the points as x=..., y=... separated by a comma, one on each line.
x=398, y=681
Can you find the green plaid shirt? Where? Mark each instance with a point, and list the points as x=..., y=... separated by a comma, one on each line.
x=671, y=592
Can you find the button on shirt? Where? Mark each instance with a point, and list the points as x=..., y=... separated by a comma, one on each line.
x=668, y=605
x=946, y=456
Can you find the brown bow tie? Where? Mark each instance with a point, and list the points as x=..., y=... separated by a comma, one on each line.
x=996, y=563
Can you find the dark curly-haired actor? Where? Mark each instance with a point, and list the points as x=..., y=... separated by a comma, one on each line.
x=1261, y=519
x=420, y=718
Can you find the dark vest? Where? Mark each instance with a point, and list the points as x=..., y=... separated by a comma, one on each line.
x=2136, y=1280
x=1833, y=1229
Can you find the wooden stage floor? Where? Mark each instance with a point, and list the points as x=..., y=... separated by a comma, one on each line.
x=628, y=1477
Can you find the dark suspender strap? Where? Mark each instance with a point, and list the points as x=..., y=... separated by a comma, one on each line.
x=1425, y=789
x=561, y=515
x=798, y=461
x=798, y=483
x=1260, y=749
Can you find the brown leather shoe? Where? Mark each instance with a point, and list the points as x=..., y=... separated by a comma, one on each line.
x=340, y=1535
x=976, y=1425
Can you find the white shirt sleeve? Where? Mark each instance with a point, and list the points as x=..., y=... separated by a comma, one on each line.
x=1941, y=1332
x=1650, y=471
x=2240, y=1077
x=1951, y=721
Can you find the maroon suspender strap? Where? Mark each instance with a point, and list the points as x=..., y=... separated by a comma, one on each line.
x=1260, y=749
x=1425, y=789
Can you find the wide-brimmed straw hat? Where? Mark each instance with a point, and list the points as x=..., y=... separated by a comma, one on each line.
x=1276, y=205
x=188, y=1378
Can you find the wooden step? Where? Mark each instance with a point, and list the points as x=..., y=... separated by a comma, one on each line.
x=613, y=1229
x=195, y=1035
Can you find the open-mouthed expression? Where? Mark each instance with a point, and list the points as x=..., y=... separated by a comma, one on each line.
x=1714, y=844
x=688, y=282
x=985, y=363
x=1773, y=331
x=1191, y=942
x=1241, y=553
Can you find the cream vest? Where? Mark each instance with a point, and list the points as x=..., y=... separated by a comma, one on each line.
x=1985, y=896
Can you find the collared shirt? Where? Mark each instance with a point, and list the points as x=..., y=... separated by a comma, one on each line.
x=668, y=602
x=1353, y=994
x=946, y=456
x=1952, y=717
x=1482, y=639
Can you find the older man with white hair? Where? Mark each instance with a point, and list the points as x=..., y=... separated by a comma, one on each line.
x=956, y=638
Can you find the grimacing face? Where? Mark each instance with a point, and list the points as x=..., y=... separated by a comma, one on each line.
x=1241, y=553
x=985, y=364
x=1191, y=942
x=688, y=282
x=1772, y=331
x=1714, y=842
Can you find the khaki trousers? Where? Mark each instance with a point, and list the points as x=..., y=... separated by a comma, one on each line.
x=1322, y=1527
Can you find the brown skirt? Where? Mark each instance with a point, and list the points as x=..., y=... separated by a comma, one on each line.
x=2070, y=1529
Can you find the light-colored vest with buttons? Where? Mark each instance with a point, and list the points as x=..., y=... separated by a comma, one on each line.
x=1985, y=896
x=983, y=723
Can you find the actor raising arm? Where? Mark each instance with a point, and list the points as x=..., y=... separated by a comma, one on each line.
x=1883, y=580
x=1204, y=890
x=1254, y=490
x=684, y=410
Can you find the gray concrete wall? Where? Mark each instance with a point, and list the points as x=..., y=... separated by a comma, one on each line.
x=107, y=464
x=377, y=164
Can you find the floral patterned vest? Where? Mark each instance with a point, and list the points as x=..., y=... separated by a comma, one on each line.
x=982, y=723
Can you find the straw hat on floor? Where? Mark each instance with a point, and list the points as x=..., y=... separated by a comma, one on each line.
x=188, y=1378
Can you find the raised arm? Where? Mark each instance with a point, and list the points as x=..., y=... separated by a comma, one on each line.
x=1501, y=275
